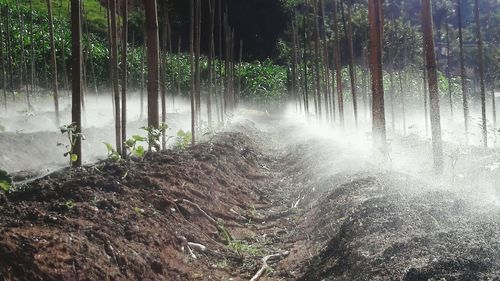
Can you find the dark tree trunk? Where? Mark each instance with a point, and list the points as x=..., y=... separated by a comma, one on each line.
x=481, y=74
x=153, y=62
x=348, y=31
x=53, y=60
x=306, y=86
x=76, y=114
x=378, y=110
x=124, y=71
x=433, y=86
x=191, y=56
x=448, y=66
x=338, y=67
x=317, y=59
x=115, y=75
x=2, y=60
x=463, y=75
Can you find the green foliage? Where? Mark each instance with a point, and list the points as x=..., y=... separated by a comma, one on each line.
x=240, y=248
x=113, y=155
x=5, y=181
x=183, y=139
x=72, y=136
x=136, y=149
x=262, y=82
x=154, y=134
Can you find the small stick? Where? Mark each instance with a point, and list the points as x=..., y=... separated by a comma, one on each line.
x=265, y=265
x=198, y=208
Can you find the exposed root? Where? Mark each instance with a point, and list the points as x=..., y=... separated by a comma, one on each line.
x=265, y=265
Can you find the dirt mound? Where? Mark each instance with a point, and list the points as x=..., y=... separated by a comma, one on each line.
x=130, y=221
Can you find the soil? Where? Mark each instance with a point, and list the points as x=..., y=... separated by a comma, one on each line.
x=258, y=188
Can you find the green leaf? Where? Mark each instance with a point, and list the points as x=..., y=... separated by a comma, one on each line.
x=74, y=157
x=5, y=181
x=138, y=138
x=139, y=151
x=109, y=147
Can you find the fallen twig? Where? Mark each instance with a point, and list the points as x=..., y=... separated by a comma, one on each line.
x=198, y=208
x=265, y=265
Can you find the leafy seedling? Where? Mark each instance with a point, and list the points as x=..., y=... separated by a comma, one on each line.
x=154, y=135
x=5, y=181
x=113, y=155
x=133, y=146
x=72, y=134
x=183, y=139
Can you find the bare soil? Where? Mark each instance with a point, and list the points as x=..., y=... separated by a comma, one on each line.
x=254, y=190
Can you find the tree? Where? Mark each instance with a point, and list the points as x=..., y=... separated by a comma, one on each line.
x=53, y=60
x=124, y=75
x=191, y=58
x=348, y=32
x=115, y=75
x=76, y=58
x=463, y=75
x=378, y=111
x=481, y=73
x=153, y=62
x=433, y=86
x=338, y=73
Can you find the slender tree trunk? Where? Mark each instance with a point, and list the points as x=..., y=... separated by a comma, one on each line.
x=294, y=66
x=163, y=80
x=2, y=60
x=9, y=55
x=211, y=42
x=379, y=130
x=462, y=71
x=124, y=71
x=481, y=74
x=110, y=53
x=426, y=110
x=338, y=67
x=115, y=75
x=403, y=101
x=153, y=62
x=197, y=61
x=22, y=74
x=448, y=66
x=53, y=60
x=143, y=78
x=392, y=94
x=191, y=56
x=179, y=92
x=348, y=31
x=305, y=58
x=32, y=50
x=317, y=60
x=76, y=114
x=433, y=86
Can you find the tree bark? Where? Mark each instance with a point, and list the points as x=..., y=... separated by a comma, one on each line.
x=153, y=62
x=338, y=67
x=433, y=86
x=53, y=60
x=481, y=73
x=463, y=75
x=448, y=65
x=115, y=75
x=191, y=57
x=378, y=110
x=348, y=31
x=76, y=115
x=124, y=74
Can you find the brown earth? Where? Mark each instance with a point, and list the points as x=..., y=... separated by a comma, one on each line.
x=257, y=189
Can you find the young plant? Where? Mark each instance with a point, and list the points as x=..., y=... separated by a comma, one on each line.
x=134, y=148
x=5, y=181
x=183, y=139
x=72, y=135
x=113, y=155
x=154, y=136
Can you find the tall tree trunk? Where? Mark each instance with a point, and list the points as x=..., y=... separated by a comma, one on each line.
x=115, y=75
x=2, y=60
x=403, y=101
x=338, y=67
x=305, y=59
x=378, y=110
x=317, y=59
x=463, y=75
x=348, y=31
x=22, y=74
x=211, y=42
x=153, y=62
x=76, y=114
x=481, y=73
x=9, y=54
x=53, y=60
x=32, y=51
x=163, y=72
x=124, y=71
x=448, y=65
x=179, y=91
x=197, y=55
x=191, y=57
x=392, y=94
x=433, y=86
x=426, y=102
x=143, y=78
